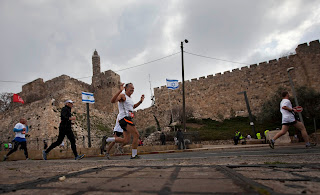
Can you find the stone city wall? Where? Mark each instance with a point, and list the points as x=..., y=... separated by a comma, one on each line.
x=216, y=96
x=43, y=113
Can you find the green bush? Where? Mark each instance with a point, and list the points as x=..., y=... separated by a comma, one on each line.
x=215, y=130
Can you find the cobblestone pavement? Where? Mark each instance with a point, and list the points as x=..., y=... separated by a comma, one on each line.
x=289, y=170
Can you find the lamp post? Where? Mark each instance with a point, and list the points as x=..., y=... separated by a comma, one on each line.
x=294, y=92
x=249, y=111
x=183, y=95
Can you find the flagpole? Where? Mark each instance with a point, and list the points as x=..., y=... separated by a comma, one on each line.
x=88, y=124
x=170, y=104
x=86, y=98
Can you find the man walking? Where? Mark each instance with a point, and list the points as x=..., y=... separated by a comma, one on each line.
x=237, y=137
x=163, y=139
x=65, y=130
x=20, y=129
x=180, y=139
x=288, y=119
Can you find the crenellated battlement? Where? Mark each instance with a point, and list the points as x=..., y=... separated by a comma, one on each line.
x=313, y=47
x=260, y=80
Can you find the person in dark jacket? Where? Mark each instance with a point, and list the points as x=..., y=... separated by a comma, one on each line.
x=45, y=144
x=180, y=139
x=65, y=130
x=163, y=139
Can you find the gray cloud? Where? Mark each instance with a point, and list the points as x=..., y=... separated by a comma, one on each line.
x=48, y=38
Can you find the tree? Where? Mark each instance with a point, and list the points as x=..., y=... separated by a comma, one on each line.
x=5, y=100
x=158, y=124
x=178, y=113
x=270, y=108
x=309, y=99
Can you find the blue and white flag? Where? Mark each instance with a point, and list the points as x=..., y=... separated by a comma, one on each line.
x=87, y=97
x=172, y=84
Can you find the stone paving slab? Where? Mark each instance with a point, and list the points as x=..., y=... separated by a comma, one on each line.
x=43, y=191
x=206, y=185
x=219, y=174
x=287, y=179
x=289, y=187
x=175, y=179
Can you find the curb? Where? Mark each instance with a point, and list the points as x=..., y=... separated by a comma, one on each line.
x=226, y=147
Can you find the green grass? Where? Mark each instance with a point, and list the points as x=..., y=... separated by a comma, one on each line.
x=214, y=130
x=102, y=127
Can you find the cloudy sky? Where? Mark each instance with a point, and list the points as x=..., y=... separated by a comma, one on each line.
x=48, y=38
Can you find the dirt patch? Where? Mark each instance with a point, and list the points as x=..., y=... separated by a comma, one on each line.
x=194, y=125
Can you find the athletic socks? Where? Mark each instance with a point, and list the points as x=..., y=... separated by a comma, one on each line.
x=134, y=152
x=111, y=139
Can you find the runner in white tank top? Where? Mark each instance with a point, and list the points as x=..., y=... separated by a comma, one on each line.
x=126, y=106
x=288, y=119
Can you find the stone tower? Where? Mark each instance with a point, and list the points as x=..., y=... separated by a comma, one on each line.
x=96, y=69
x=105, y=85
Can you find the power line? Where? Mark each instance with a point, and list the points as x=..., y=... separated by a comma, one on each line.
x=13, y=82
x=148, y=62
x=114, y=71
x=214, y=58
x=139, y=64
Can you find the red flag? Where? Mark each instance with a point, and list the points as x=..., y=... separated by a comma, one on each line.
x=17, y=98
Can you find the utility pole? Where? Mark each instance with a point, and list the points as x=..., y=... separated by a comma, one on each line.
x=294, y=92
x=183, y=94
x=249, y=111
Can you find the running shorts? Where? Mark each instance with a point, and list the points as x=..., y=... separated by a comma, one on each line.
x=117, y=133
x=126, y=121
x=289, y=124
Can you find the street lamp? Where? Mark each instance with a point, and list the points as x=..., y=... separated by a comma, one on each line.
x=249, y=111
x=183, y=95
x=294, y=92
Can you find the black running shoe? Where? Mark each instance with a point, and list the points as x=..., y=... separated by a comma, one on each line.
x=311, y=145
x=79, y=157
x=108, y=156
x=271, y=144
x=136, y=157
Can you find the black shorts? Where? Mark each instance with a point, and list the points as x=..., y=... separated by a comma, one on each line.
x=117, y=133
x=289, y=124
x=126, y=121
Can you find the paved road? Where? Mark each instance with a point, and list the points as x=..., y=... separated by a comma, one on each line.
x=285, y=170
x=295, y=151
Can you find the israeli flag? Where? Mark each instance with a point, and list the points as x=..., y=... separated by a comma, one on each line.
x=172, y=84
x=87, y=97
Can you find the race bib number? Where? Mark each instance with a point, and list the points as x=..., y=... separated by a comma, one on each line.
x=131, y=114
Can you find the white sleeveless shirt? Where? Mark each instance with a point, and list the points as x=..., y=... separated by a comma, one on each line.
x=125, y=107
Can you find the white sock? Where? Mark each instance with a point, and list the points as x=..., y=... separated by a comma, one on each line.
x=134, y=152
x=111, y=139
